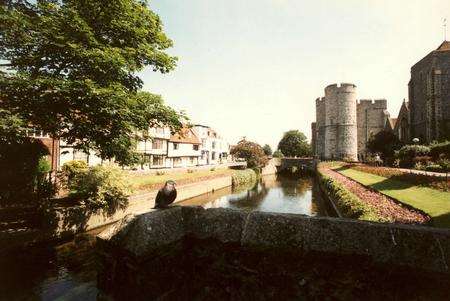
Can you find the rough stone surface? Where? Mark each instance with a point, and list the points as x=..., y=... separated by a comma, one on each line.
x=418, y=247
x=149, y=232
x=225, y=225
x=343, y=125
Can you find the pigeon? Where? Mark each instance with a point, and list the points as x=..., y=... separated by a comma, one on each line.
x=166, y=195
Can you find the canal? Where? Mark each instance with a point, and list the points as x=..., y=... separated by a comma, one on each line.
x=68, y=271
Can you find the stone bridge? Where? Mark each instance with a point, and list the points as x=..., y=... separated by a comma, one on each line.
x=299, y=163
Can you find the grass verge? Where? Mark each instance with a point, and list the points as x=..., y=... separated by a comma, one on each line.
x=433, y=202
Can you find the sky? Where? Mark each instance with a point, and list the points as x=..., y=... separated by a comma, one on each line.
x=254, y=68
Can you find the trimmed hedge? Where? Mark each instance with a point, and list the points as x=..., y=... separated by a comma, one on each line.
x=348, y=203
x=240, y=177
x=440, y=149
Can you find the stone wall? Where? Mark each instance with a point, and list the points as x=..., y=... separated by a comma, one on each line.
x=372, y=116
x=68, y=221
x=228, y=254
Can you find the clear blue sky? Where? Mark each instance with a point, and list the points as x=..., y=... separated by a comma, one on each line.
x=254, y=68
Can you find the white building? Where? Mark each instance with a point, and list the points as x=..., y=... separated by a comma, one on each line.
x=183, y=149
x=154, y=147
x=191, y=147
x=214, y=149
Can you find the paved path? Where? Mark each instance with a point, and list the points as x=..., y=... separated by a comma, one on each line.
x=423, y=172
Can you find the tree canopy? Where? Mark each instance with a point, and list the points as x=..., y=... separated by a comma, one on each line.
x=70, y=69
x=294, y=144
x=252, y=152
x=385, y=143
x=267, y=150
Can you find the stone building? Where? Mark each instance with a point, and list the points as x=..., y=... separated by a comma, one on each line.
x=429, y=96
x=336, y=127
x=343, y=125
x=372, y=116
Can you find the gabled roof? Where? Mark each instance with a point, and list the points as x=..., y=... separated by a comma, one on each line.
x=186, y=135
x=445, y=46
x=392, y=121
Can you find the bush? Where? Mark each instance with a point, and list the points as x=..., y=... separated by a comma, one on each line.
x=240, y=177
x=160, y=173
x=190, y=170
x=407, y=154
x=440, y=150
x=434, y=168
x=102, y=187
x=348, y=203
x=72, y=168
x=278, y=154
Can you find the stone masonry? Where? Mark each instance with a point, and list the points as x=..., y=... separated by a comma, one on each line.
x=343, y=125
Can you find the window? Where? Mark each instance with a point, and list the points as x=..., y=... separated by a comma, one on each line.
x=160, y=130
x=213, y=145
x=213, y=156
x=158, y=160
x=177, y=161
x=192, y=159
x=157, y=144
x=203, y=143
x=175, y=146
x=195, y=147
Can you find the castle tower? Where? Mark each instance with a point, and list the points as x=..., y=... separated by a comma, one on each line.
x=340, y=127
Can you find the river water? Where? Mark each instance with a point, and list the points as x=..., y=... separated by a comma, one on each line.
x=68, y=271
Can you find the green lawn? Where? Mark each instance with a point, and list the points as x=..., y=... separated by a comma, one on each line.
x=143, y=181
x=431, y=201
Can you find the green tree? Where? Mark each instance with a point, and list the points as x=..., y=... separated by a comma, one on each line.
x=385, y=143
x=252, y=152
x=294, y=144
x=267, y=150
x=278, y=154
x=70, y=69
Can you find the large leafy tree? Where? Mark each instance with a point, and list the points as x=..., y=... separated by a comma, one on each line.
x=69, y=68
x=252, y=152
x=267, y=150
x=294, y=144
x=385, y=143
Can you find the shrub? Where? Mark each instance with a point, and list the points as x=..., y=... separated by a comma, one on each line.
x=72, y=168
x=212, y=169
x=434, y=168
x=160, y=172
x=440, y=150
x=102, y=187
x=240, y=177
x=278, y=154
x=190, y=170
x=407, y=154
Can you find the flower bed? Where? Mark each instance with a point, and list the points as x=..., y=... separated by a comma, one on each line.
x=348, y=203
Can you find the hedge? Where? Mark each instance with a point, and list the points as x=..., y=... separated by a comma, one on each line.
x=240, y=177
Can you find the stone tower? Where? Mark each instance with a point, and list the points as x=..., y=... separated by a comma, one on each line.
x=336, y=123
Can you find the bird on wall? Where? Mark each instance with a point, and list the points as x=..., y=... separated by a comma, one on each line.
x=166, y=195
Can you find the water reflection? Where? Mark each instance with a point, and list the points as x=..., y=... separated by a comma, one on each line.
x=271, y=193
